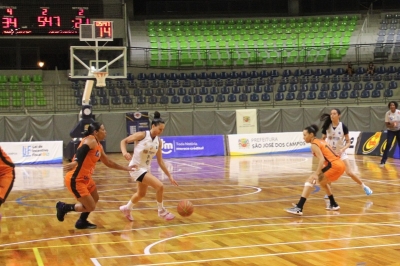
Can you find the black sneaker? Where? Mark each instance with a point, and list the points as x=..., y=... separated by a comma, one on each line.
x=60, y=211
x=80, y=224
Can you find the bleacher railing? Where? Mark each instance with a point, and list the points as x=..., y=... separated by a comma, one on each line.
x=282, y=57
x=239, y=93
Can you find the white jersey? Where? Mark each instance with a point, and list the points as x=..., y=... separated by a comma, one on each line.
x=335, y=137
x=393, y=117
x=143, y=153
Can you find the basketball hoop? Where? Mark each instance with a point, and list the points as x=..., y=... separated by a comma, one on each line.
x=100, y=78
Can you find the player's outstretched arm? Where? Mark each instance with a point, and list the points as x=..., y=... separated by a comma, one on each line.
x=161, y=163
x=110, y=163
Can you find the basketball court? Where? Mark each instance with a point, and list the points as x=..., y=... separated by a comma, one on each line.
x=238, y=218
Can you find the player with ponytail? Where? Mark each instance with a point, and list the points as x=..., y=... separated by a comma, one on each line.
x=147, y=145
x=79, y=180
x=329, y=169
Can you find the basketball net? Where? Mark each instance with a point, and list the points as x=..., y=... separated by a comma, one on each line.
x=100, y=78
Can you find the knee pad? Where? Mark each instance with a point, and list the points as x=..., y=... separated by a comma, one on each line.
x=308, y=184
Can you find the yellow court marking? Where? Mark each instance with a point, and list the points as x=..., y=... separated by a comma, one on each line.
x=38, y=257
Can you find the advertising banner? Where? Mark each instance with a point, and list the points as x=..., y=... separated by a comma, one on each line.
x=246, y=121
x=252, y=144
x=137, y=121
x=374, y=143
x=193, y=146
x=35, y=152
x=353, y=135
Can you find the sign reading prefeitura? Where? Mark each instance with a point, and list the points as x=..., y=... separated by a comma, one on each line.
x=35, y=152
x=252, y=144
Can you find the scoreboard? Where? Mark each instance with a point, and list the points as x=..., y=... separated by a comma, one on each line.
x=44, y=19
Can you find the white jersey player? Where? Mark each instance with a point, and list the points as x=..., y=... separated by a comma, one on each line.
x=336, y=134
x=145, y=150
x=336, y=138
x=147, y=145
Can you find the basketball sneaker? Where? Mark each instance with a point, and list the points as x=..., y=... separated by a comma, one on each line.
x=295, y=210
x=166, y=215
x=80, y=224
x=126, y=212
x=381, y=164
x=330, y=207
x=367, y=190
x=60, y=211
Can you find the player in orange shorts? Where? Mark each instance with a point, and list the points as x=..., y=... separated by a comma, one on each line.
x=79, y=180
x=329, y=169
x=7, y=176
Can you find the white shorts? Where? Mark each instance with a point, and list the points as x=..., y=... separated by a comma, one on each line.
x=344, y=156
x=136, y=174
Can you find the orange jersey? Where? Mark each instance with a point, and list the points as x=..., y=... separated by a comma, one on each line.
x=326, y=150
x=89, y=163
x=6, y=163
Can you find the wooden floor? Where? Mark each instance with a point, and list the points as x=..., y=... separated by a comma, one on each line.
x=238, y=218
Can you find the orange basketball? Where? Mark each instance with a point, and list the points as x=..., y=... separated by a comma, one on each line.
x=185, y=208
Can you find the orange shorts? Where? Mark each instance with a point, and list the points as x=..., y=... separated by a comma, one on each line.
x=80, y=186
x=6, y=183
x=335, y=171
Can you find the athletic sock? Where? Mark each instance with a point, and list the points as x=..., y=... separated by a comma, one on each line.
x=84, y=216
x=160, y=205
x=129, y=205
x=332, y=201
x=301, y=202
x=69, y=207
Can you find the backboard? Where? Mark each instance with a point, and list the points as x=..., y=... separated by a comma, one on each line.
x=84, y=60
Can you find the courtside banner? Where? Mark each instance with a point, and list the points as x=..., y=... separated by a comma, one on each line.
x=35, y=152
x=353, y=135
x=252, y=144
x=193, y=146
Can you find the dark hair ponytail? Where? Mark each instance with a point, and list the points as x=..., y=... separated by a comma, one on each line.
x=157, y=119
x=94, y=126
x=312, y=129
x=327, y=121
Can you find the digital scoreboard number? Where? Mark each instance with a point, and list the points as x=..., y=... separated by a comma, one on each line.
x=103, y=30
x=43, y=20
x=98, y=31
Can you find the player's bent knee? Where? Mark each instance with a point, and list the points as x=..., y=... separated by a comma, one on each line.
x=141, y=195
x=308, y=184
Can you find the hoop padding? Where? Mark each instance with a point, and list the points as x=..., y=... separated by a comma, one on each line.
x=100, y=78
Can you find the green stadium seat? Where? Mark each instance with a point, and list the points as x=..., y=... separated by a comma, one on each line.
x=16, y=102
x=37, y=78
x=41, y=101
x=4, y=102
x=4, y=94
x=29, y=102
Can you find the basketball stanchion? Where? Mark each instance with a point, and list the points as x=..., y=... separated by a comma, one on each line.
x=100, y=78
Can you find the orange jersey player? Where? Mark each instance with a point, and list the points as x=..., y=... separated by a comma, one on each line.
x=79, y=180
x=7, y=176
x=329, y=169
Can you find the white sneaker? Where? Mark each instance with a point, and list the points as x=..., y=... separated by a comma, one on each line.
x=126, y=212
x=381, y=164
x=166, y=215
x=295, y=210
